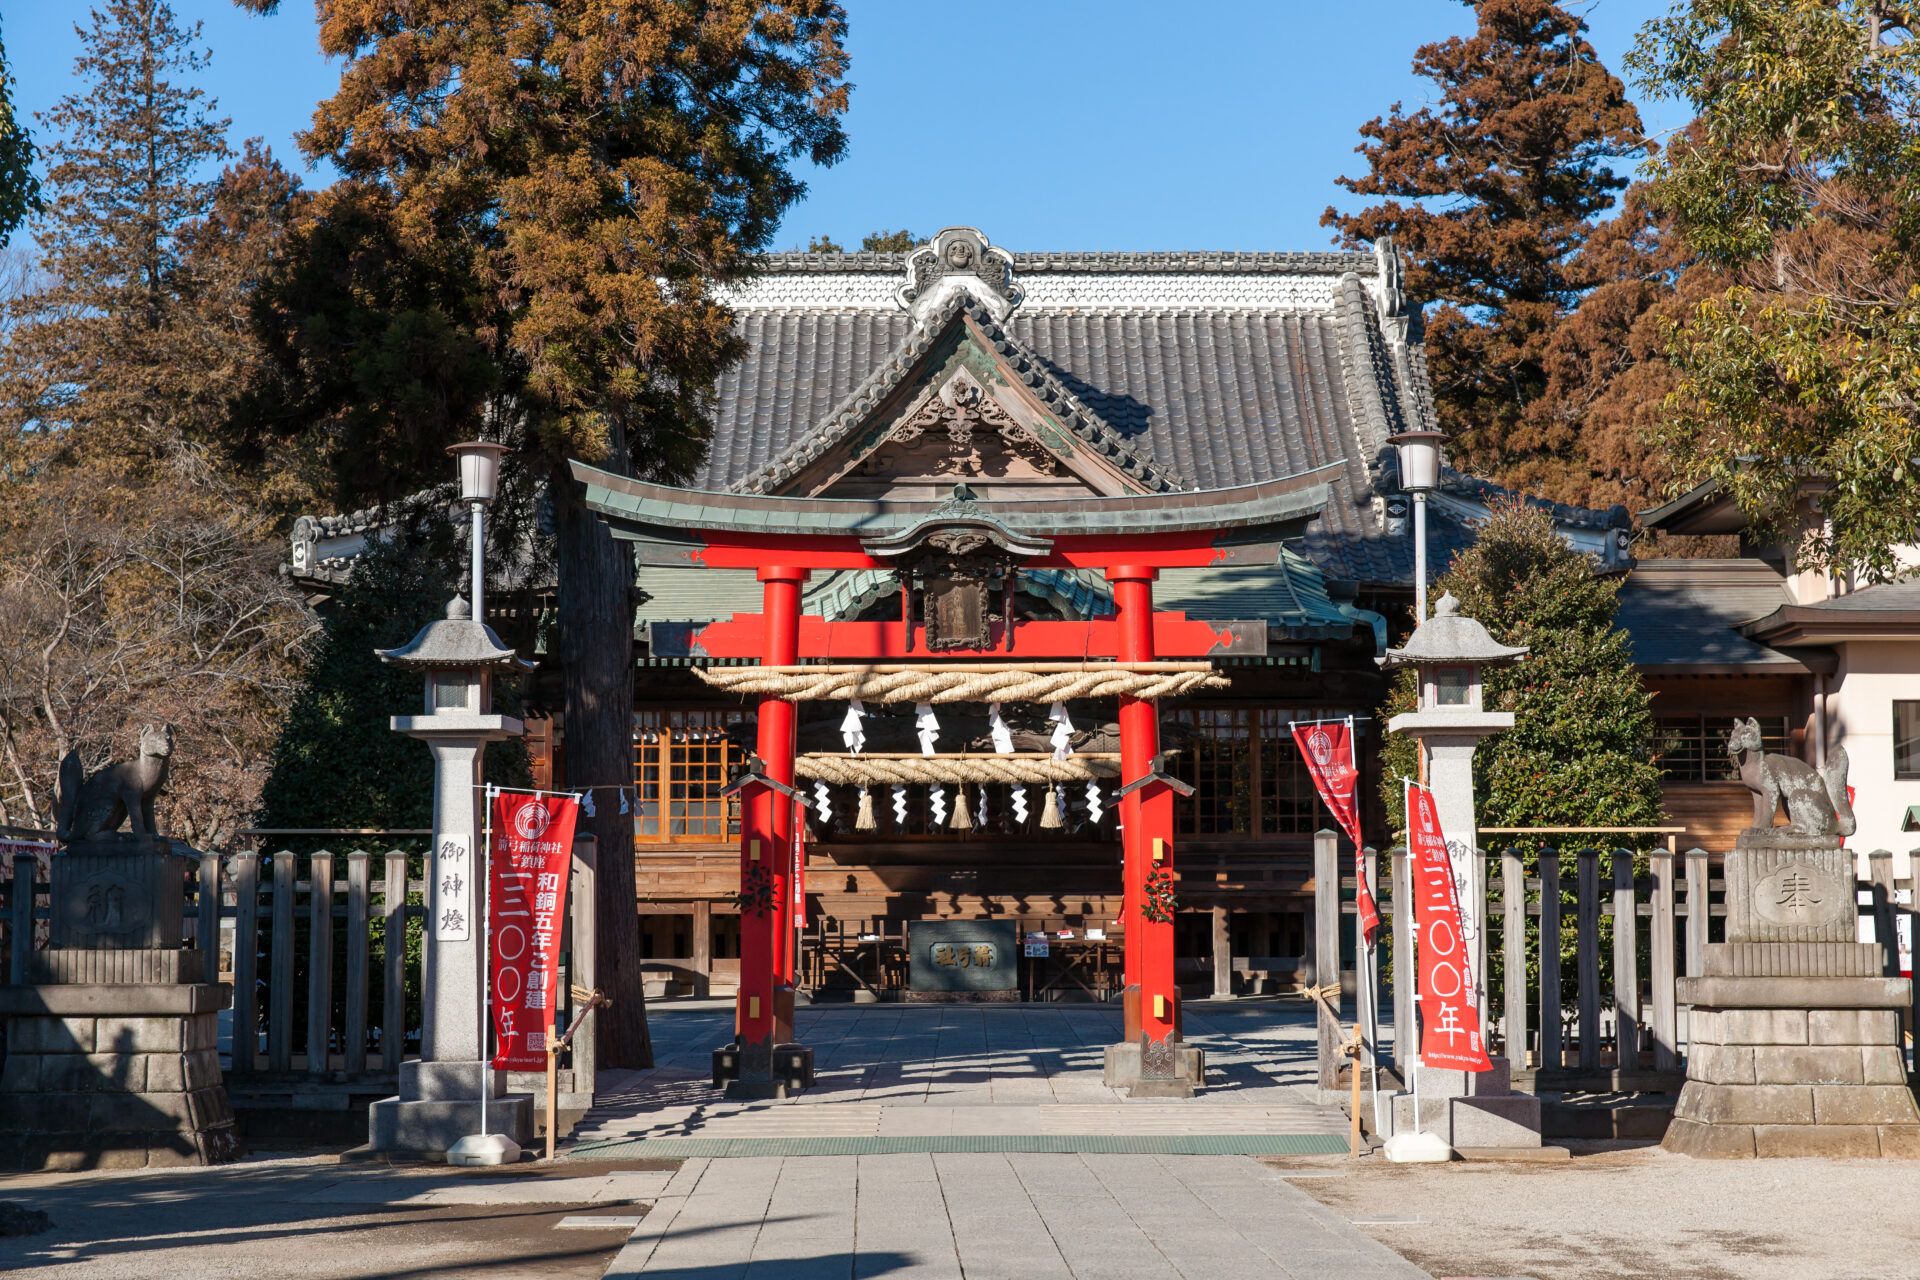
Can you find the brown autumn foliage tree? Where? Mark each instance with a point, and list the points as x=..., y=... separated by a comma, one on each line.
x=136, y=584
x=1491, y=193
x=564, y=183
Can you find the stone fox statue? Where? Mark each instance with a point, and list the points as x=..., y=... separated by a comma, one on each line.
x=1816, y=799
x=120, y=792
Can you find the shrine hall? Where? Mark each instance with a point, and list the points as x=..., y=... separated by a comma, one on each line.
x=1016, y=550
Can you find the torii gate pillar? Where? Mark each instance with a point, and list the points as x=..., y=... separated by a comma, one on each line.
x=763, y=1011
x=1151, y=1059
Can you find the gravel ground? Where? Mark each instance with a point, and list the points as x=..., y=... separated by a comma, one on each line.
x=309, y=1219
x=1616, y=1211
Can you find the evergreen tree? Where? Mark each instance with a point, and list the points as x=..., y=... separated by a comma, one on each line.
x=890, y=241
x=19, y=189
x=577, y=178
x=1491, y=193
x=107, y=363
x=1581, y=749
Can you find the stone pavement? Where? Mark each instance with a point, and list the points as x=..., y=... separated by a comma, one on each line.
x=903, y=1072
x=964, y=1216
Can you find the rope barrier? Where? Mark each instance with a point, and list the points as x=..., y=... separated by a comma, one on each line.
x=868, y=771
x=965, y=684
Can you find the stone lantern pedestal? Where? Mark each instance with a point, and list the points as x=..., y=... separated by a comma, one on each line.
x=1794, y=1042
x=439, y=1101
x=1451, y=652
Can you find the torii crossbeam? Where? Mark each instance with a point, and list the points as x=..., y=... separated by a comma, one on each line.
x=1129, y=539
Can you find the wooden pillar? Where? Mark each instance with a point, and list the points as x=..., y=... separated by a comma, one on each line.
x=1513, y=948
x=1405, y=977
x=1550, y=1048
x=1326, y=948
x=1222, y=956
x=1587, y=955
x=1148, y=818
x=766, y=842
x=1626, y=963
x=703, y=947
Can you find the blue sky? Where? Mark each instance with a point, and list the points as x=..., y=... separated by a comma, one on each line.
x=1050, y=124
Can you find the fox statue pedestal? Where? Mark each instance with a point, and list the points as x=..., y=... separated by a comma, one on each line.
x=1794, y=1043
x=113, y=1042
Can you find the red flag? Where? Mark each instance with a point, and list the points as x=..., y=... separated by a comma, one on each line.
x=1449, y=1013
x=1328, y=750
x=527, y=900
x=799, y=877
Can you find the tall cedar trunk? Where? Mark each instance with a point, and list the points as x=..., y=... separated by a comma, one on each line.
x=596, y=651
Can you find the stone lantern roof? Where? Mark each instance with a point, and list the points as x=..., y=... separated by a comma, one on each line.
x=1448, y=637
x=454, y=641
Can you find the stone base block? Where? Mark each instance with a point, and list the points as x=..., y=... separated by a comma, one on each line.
x=1122, y=1068
x=427, y=1129
x=119, y=1082
x=450, y=1081
x=1782, y=1141
x=75, y=965
x=1817, y=1080
x=1146, y=1087
x=1512, y=1121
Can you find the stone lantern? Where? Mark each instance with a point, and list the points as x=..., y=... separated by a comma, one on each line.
x=439, y=1099
x=1451, y=654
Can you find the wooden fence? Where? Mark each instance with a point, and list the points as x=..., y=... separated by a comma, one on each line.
x=325, y=955
x=1623, y=1027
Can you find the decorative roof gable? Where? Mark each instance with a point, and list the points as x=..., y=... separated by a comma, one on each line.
x=959, y=397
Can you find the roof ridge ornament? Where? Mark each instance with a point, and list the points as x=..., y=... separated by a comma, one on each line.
x=957, y=260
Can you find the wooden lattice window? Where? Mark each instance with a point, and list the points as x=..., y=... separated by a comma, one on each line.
x=1247, y=774
x=1694, y=748
x=682, y=759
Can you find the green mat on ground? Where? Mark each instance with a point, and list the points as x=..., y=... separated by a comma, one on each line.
x=1256, y=1144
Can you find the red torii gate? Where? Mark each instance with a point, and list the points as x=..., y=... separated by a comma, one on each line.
x=1129, y=540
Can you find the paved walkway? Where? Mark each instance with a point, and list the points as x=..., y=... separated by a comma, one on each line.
x=996, y=1217
x=970, y=1077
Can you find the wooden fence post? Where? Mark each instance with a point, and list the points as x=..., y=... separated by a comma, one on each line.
x=583, y=969
x=1587, y=954
x=393, y=945
x=1513, y=943
x=1626, y=963
x=206, y=908
x=246, y=960
x=353, y=1040
x=1699, y=912
x=1551, y=1053
x=1405, y=981
x=20, y=926
x=320, y=963
x=1880, y=895
x=1666, y=1043
x=1326, y=965
x=280, y=973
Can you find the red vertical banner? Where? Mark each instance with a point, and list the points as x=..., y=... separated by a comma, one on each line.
x=1449, y=1013
x=799, y=876
x=1327, y=749
x=531, y=855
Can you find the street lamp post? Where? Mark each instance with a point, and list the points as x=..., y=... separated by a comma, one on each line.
x=1419, y=475
x=479, y=485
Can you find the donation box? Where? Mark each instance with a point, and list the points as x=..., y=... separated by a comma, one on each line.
x=963, y=955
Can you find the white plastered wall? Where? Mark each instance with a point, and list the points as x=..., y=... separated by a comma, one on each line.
x=1860, y=697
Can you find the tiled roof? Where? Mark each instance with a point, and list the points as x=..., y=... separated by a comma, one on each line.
x=1210, y=397
x=1076, y=414
x=1686, y=614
